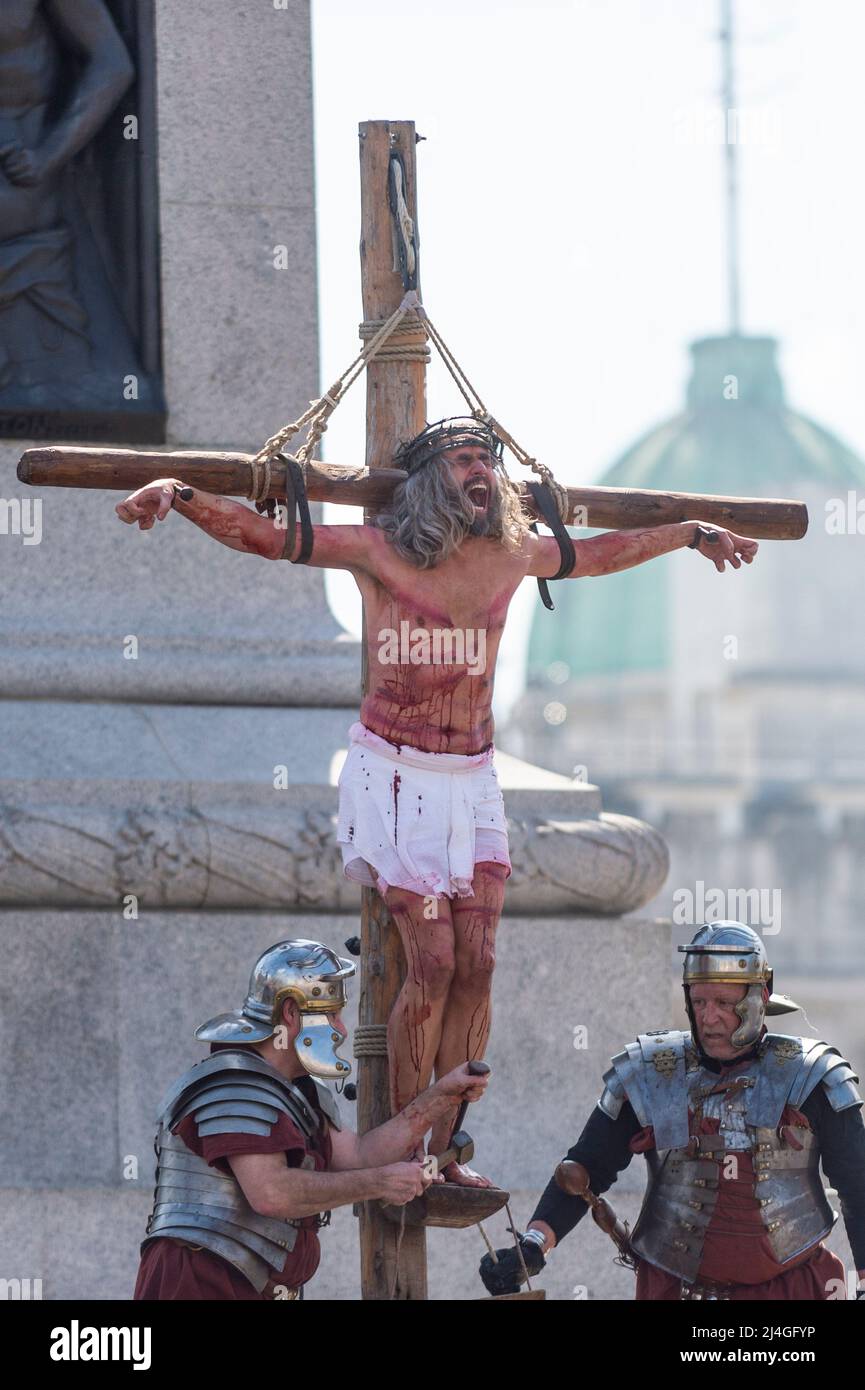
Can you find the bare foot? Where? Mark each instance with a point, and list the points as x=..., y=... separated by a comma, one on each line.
x=464, y=1176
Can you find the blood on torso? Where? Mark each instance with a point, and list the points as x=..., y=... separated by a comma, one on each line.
x=432, y=639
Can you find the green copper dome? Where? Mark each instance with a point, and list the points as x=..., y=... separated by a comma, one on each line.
x=736, y=436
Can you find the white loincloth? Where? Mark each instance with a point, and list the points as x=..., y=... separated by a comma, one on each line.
x=417, y=820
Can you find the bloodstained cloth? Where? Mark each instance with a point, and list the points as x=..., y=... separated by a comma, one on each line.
x=417, y=820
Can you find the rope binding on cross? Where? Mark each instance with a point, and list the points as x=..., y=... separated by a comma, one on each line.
x=550, y=497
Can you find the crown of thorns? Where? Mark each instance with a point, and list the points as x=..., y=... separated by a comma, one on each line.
x=447, y=434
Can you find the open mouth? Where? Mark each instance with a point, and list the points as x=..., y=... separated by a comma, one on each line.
x=478, y=493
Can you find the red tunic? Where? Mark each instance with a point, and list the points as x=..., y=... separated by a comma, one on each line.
x=736, y=1249
x=806, y=1279
x=172, y=1270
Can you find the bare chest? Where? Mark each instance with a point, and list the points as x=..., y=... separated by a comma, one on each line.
x=471, y=590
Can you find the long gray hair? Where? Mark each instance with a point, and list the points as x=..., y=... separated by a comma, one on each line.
x=431, y=515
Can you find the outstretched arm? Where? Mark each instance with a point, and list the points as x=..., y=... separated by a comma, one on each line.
x=621, y=550
x=241, y=528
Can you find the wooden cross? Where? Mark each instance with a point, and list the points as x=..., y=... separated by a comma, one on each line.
x=393, y=1261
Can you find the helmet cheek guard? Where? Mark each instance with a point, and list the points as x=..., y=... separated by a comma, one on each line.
x=317, y=1041
x=686, y=990
x=316, y=1046
x=752, y=1012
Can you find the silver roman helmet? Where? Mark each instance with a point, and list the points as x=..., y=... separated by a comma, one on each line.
x=729, y=953
x=314, y=977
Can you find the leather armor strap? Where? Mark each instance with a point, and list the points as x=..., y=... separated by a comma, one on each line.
x=707, y=1289
x=296, y=504
x=546, y=505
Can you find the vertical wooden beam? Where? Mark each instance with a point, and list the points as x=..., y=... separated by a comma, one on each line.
x=395, y=411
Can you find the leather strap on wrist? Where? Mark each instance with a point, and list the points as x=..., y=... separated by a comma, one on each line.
x=702, y=533
x=182, y=491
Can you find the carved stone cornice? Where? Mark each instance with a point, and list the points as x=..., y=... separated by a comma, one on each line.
x=609, y=865
x=193, y=845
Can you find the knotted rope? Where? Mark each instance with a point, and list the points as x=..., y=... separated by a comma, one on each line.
x=320, y=411
x=376, y=335
x=395, y=351
x=477, y=408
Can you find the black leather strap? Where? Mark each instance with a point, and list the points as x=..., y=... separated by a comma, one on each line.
x=702, y=533
x=546, y=505
x=296, y=504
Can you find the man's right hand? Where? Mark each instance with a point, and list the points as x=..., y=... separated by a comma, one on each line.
x=149, y=504
x=400, y=1182
x=507, y=1275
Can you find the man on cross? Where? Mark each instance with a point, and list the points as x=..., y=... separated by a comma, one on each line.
x=421, y=815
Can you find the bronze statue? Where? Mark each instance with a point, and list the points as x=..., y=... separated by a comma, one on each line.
x=63, y=68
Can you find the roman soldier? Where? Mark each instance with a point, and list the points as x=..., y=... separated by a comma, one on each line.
x=250, y=1149
x=734, y=1122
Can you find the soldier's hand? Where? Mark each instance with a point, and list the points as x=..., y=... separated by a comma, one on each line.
x=507, y=1275
x=728, y=548
x=461, y=1085
x=149, y=504
x=400, y=1182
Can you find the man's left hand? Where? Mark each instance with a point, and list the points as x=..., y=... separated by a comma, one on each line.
x=461, y=1085
x=727, y=549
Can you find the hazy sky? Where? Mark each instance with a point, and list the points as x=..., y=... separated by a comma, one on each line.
x=570, y=203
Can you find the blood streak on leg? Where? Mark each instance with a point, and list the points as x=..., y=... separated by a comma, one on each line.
x=475, y=923
x=407, y=1019
x=481, y=919
x=414, y=1028
x=478, y=1030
